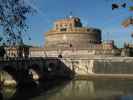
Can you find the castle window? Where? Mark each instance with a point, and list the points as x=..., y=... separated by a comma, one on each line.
x=56, y=25
x=60, y=25
x=63, y=29
x=70, y=25
x=65, y=25
x=88, y=30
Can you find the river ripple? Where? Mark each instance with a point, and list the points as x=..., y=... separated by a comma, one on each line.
x=76, y=90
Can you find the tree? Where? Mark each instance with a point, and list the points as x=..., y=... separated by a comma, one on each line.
x=128, y=21
x=13, y=15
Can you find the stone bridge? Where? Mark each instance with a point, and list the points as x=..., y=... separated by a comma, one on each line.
x=15, y=70
x=38, y=68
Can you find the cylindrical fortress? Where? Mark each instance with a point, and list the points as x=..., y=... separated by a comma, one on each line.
x=69, y=33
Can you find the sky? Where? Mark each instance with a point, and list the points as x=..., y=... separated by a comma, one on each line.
x=93, y=13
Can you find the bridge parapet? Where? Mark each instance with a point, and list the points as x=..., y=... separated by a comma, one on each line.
x=37, y=68
x=59, y=67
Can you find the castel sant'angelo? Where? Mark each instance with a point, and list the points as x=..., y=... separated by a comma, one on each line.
x=81, y=49
x=70, y=38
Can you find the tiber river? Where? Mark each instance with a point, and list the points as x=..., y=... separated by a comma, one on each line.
x=74, y=90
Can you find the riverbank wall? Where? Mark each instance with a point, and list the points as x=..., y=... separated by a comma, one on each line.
x=101, y=67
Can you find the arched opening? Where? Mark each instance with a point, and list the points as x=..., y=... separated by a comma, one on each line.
x=8, y=76
x=35, y=72
x=51, y=67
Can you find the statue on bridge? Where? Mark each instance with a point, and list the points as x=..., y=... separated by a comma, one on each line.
x=2, y=51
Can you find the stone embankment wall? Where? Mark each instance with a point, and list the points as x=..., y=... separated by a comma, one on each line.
x=99, y=65
x=113, y=67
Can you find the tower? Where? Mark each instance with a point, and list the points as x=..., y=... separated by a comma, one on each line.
x=70, y=32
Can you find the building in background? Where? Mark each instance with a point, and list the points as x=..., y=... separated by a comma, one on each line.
x=70, y=38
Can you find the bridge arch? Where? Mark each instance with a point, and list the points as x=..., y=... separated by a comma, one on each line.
x=58, y=69
x=35, y=72
x=8, y=75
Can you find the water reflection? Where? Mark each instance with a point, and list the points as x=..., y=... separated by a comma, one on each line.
x=7, y=93
x=75, y=90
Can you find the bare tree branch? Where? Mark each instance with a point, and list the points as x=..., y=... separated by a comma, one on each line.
x=13, y=15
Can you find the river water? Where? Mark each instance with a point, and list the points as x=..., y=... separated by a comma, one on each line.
x=75, y=90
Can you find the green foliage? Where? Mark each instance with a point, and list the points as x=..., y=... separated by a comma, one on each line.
x=131, y=8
